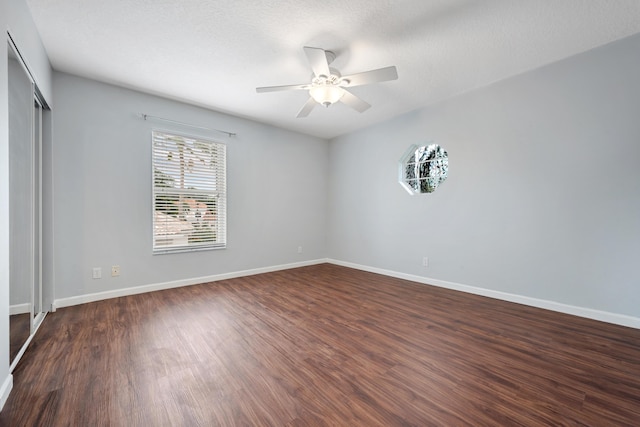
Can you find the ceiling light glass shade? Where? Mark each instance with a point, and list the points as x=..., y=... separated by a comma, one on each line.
x=326, y=94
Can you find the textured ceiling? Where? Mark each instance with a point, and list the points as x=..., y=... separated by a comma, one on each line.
x=214, y=53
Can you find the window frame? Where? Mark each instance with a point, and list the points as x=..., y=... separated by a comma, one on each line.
x=218, y=193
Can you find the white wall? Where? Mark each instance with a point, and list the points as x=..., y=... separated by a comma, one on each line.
x=102, y=191
x=14, y=17
x=542, y=199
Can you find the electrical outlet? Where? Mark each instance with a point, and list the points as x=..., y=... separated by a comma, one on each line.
x=115, y=270
x=299, y=249
x=97, y=273
x=425, y=261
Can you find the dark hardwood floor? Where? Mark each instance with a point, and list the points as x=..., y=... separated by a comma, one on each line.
x=323, y=345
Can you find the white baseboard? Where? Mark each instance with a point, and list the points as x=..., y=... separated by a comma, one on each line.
x=82, y=299
x=5, y=390
x=603, y=316
x=19, y=309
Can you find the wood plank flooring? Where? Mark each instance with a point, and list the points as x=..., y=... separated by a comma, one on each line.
x=323, y=346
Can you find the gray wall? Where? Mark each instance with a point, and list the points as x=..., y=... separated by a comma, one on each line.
x=102, y=191
x=14, y=16
x=542, y=199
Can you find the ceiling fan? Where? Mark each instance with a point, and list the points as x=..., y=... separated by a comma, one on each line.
x=328, y=86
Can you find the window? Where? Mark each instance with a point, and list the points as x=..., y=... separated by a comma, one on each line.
x=423, y=169
x=189, y=193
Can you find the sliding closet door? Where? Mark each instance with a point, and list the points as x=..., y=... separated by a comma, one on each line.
x=21, y=202
x=25, y=205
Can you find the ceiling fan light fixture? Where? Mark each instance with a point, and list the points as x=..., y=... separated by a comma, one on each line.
x=326, y=94
x=328, y=86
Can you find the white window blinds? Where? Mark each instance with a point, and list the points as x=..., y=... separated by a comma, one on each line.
x=189, y=193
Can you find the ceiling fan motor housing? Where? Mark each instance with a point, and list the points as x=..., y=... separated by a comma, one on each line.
x=333, y=79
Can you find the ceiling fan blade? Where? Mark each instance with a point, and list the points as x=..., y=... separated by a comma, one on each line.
x=354, y=102
x=306, y=108
x=373, y=76
x=279, y=88
x=318, y=60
